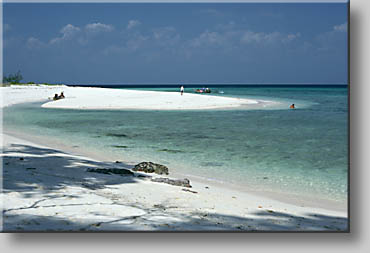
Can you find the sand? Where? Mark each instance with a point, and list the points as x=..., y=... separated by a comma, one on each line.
x=16, y=94
x=102, y=98
x=48, y=188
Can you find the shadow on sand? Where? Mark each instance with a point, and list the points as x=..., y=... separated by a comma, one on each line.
x=30, y=170
x=59, y=168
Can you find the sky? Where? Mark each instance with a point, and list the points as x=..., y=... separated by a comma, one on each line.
x=171, y=43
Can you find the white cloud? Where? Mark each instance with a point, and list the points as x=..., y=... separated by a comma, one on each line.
x=227, y=39
x=133, y=23
x=340, y=28
x=33, y=42
x=332, y=40
x=69, y=31
x=291, y=37
x=136, y=42
x=166, y=36
x=160, y=33
x=98, y=27
x=261, y=37
x=208, y=38
x=249, y=37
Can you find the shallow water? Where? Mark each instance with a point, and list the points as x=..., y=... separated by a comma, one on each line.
x=302, y=151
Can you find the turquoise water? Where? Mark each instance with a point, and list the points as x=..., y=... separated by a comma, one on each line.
x=302, y=151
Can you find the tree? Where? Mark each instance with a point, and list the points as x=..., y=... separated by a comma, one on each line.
x=16, y=78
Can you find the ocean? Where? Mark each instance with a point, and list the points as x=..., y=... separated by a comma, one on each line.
x=301, y=152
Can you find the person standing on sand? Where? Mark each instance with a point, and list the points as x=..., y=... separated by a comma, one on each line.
x=182, y=89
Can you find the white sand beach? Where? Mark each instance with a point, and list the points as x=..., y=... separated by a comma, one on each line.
x=16, y=94
x=102, y=98
x=48, y=188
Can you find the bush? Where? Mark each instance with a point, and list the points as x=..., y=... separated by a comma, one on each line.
x=13, y=79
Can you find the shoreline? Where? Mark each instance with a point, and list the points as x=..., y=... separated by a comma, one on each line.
x=292, y=199
x=217, y=207
x=210, y=200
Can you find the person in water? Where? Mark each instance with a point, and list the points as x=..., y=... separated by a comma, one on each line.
x=61, y=95
x=292, y=106
x=182, y=89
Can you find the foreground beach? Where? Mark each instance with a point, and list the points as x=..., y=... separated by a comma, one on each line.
x=48, y=188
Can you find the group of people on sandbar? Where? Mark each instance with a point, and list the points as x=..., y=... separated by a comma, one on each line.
x=206, y=90
x=202, y=90
x=57, y=97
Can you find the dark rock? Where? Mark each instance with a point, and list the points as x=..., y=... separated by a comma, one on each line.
x=118, y=162
x=117, y=135
x=159, y=206
x=122, y=172
x=177, y=182
x=170, y=150
x=120, y=146
x=187, y=190
x=150, y=167
x=21, y=158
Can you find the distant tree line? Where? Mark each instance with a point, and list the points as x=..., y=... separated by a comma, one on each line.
x=17, y=78
x=13, y=78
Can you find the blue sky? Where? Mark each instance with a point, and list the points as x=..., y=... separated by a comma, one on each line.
x=176, y=43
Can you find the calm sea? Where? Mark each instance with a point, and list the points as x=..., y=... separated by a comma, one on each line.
x=302, y=151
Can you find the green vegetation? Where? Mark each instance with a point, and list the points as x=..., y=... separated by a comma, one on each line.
x=13, y=79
